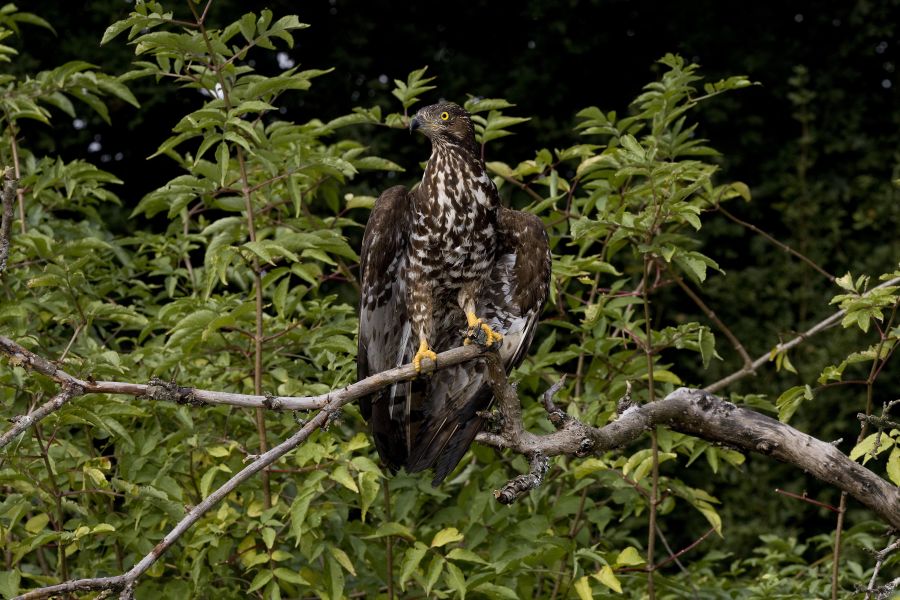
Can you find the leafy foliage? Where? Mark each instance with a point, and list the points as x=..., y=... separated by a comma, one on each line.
x=238, y=275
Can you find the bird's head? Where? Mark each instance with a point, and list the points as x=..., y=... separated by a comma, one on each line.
x=447, y=124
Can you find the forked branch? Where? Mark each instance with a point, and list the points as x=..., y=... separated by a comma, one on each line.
x=694, y=412
x=700, y=414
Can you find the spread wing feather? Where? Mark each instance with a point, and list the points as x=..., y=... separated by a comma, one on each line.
x=384, y=332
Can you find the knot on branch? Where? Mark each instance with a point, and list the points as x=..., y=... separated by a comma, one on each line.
x=558, y=417
x=766, y=446
x=585, y=447
x=270, y=401
x=169, y=391
x=334, y=415
x=69, y=391
x=625, y=403
x=526, y=482
x=493, y=420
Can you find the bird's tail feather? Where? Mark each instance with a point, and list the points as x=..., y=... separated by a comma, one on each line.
x=452, y=422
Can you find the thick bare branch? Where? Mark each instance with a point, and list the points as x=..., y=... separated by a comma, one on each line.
x=698, y=413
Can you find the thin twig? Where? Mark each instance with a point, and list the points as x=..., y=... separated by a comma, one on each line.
x=778, y=243
x=784, y=347
x=10, y=185
x=711, y=315
x=807, y=499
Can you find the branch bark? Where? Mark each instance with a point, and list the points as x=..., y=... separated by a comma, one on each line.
x=694, y=412
x=170, y=392
x=698, y=413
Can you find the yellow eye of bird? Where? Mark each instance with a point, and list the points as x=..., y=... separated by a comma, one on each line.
x=445, y=116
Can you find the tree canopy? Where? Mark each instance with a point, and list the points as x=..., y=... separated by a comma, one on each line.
x=185, y=191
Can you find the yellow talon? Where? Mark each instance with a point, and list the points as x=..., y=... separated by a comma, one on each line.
x=490, y=336
x=423, y=352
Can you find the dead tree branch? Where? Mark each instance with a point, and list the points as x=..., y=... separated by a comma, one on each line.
x=125, y=583
x=886, y=591
x=170, y=392
x=697, y=413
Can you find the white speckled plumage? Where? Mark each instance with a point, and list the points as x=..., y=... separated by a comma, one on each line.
x=427, y=255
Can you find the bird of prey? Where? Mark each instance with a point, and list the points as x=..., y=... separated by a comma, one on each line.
x=444, y=264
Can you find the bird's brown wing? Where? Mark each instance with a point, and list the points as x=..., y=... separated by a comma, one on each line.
x=384, y=328
x=510, y=302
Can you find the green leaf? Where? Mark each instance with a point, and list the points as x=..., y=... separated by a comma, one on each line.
x=583, y=588
x=408, y=92
x=435, y=568
x=455, y=579
x=446, y=536
x=342, y=558
x=589, y=466
x=411, y=561
x=290, y=576
x=893, y=465
x=629, y=557
x=207, y=480
x=606, y=576
x=268, y=536
x=790, y=400
x=342, y=475
x=248, y=26
x=36, y=524
x=386, y=529
x=871, y=446
x=9, y=583
x=846, y=282
x=465, y=555
x=261, y=579
x=299, y=508
x=494, y=591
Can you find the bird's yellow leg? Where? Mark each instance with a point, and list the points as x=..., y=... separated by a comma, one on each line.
x=476, y=324
x=423, y=352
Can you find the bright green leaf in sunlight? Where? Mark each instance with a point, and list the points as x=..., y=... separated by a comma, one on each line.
x=583, y=588
x=446, y=536
x=606, y=576
x=893, y=465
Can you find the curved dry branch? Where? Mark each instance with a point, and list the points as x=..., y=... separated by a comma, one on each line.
x=700, y=414
x=170, y=392
x=125, y=582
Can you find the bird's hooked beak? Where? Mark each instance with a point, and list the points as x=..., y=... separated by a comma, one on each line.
x=414, y=124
